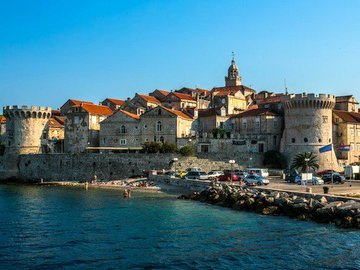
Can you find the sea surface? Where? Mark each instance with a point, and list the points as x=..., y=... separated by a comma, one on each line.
x=71, y=228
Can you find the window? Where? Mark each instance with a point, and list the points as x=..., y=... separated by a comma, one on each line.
x=122, y=141
x=320, y=140
x=145, y=126
x=162, y=139
x=352, y=131
x=122, y=129
x=274, y=140
x=154, y=138
x=275, y=123
x=257, y=122
x=293, y=140
x=306, y=140
x=244, y=124
x=261, y=148
x=221, y=124
x=76, y=119
x=159, y=111
x=158, y=126
x=104, y=140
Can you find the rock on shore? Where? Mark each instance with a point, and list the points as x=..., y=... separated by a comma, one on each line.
x=317, y=208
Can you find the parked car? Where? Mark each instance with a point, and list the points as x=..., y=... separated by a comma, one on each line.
x=242, y=174
x=196, y=175
x=253, y=179
x=260, y=172
x=325, y=172
x=194, y=169
x=227, y=177
x=292, y=177
x=335, y=177
x=315, y=180
x=215, y=174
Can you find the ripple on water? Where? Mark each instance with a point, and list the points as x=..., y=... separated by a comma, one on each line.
x=51, y=227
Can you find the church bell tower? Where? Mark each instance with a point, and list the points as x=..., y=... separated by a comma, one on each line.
x=233, y=78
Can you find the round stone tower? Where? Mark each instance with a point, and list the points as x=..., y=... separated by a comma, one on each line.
x=308, y=126
x=24, y=128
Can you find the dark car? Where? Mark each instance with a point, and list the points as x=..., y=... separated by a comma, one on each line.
x=227, y=177
x=335, y=177
x=326, y=172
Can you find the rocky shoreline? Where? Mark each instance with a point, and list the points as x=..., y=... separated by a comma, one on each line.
x=318, y=208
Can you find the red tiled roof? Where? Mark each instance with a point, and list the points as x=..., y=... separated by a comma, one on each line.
x=177, y=113
x=78, y=102
x=116, y=101
x=60, y=119
x=350, y=117
x=53, y=122
x=95, y=109
x=273, y=99
x=255, y=112
x=2, y=119
x=149, y=98
x=55, y=112
x=208, y=112
x=226, y=90
x=132, y=115
x=182, y=96
x=163, y=92
x=253, y=107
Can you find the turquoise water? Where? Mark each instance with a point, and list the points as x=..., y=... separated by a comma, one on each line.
x=70, y=228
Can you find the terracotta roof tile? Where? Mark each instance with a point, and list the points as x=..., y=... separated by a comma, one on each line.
x=182, y=96
x=255, y=112
x=149, y=98
x=350, y=117
x=53, y=122
x=176, y=112
x=116, y=101
x=95, y=109
x=78, y=102
x=163, y=92
x=2, y=119
x=274, y=99
x=226, y=90
x=132, y=115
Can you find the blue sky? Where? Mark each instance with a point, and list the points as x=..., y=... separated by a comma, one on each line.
x=54, y=50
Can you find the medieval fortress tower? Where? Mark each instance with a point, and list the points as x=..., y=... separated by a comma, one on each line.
x=24, y=127
x=308, y=126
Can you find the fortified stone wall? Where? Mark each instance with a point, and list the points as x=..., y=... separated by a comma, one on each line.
x=24, y=128
x=80, y=167
x=308, y=126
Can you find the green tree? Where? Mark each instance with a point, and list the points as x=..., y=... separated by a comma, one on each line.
x=304, y=161
x=167, y=147
x=274, y=159
x=187, y=151
x=151, y=147
x=218, y=131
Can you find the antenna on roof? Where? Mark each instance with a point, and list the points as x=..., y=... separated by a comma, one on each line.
x=233, y=56
x=285, y=86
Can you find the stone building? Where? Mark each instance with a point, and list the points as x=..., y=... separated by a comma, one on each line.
x=179, y=101
x=112, y=103
x=70, y=103
x=347, y=103
x=209, y=119
x=202, y=96
x=159, y=94
x=140, y=104
x=24, y=128
x=121, y=131
x=308, y=127
x=127, y=131
x=260, y=130
x=82, y=125
x=346, y=132
x=53, y=135
x=235, y=96
x=2, y=128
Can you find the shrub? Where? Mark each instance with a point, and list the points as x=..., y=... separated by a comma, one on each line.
x=218, y=131
x=274, y=159
x=151, y=147
x=167, y=147
x=187, y=151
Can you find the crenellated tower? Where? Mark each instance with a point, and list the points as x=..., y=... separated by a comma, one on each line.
x=308, y=126
x=24, y=128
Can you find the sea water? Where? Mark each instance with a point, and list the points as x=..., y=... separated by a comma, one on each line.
x=72, y=228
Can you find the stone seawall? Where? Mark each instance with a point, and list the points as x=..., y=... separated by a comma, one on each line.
x=80, y=167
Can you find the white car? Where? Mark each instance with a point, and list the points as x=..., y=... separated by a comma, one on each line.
x=196, y=175
x=255, y=180
x=316, y=180
x=215, y=174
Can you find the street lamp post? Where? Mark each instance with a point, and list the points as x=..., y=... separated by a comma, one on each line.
x=307, y=170
x=232, y=162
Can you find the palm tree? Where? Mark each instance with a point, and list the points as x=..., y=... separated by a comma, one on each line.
x=304, y=161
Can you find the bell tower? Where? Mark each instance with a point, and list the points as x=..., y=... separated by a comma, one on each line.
x=233, y=78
